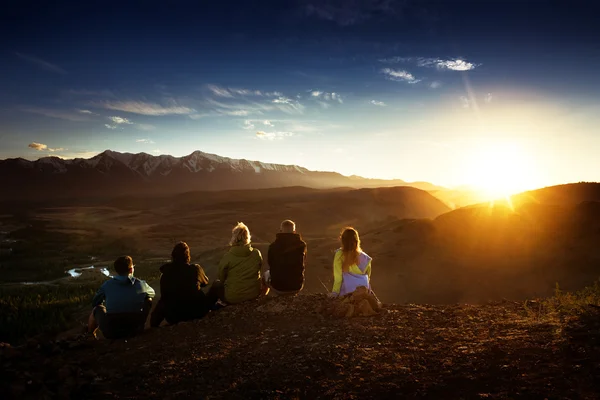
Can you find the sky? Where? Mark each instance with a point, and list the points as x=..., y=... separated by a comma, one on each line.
x=450, y=92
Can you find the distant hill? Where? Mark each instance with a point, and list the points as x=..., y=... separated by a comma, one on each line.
x=111, y=174
x=492, y=251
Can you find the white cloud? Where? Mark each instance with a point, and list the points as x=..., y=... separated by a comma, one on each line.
x=378, y=103
x=250, y=123
x=42, y=147
x=456, y=64
x=145, y=141
x=42, y=64
x=399, y=75
x=236, y=113
x=143, y=108
x=435, y=84
x=273, y=135
x=488, y=98
x=85, y=111
x=231, y=92
x=110, y=126
x=316, y=93
x=120, y=120
x=219, y=91
x=156, y=151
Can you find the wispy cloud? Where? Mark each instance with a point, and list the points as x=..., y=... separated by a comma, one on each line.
x=108, y=126
x=456, y=64
x=435, y=85
x=120, y=120
x=144, y=108
x=42, y=63
x=219, y=91
x=378, y=103
x=85, y=111
x=61, y=114
x=327, y=96
x=273, y=135
x=145, y=141
x=399, y=75
x=288, y=105
x=42, y=147
x=488, y=98
x=250, y=123
x=233, y=92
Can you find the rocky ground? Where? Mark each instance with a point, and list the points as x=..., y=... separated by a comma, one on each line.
x=297, y=348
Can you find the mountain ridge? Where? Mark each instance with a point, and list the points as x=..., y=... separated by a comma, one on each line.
x=126, y=173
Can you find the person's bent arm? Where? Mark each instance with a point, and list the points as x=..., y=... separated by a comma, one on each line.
x=337, y=272
x=150, y=293
x=201, y=277
x=99, y=297
x=368, y=270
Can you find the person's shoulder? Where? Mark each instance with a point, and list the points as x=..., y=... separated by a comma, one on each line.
x=164, y=267
x=368, y=257
x=256, y=252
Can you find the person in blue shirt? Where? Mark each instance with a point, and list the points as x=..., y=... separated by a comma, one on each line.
x=122, y=304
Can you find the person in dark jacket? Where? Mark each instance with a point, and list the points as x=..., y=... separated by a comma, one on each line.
x=181, y=297
x=286, y=258
x=121, y=304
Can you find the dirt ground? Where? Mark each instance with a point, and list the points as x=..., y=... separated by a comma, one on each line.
x=286, y=348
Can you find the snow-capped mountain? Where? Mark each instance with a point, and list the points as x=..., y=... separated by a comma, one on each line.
x=111, y=173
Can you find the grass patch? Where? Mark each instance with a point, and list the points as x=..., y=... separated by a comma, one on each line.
x=27, y=311
x=565, y=304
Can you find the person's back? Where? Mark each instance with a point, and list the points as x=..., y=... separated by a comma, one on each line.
x=286, y=258
x=181, y=297
x=121, y=305
x=180, y=290
x=351, y=266
x=239, y=269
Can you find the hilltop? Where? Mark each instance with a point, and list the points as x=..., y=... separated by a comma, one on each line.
x=289, y=349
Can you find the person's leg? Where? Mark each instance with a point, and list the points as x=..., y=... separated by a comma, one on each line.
x=216, y=292
x=97, y=319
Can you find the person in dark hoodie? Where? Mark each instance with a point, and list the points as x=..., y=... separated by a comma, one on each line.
x=181, y=297
x=122, y=304
x=286, y=258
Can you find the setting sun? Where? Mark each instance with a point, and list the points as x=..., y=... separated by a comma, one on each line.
x=500, y=168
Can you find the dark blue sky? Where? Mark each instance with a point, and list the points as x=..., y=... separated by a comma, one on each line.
x=409, y=89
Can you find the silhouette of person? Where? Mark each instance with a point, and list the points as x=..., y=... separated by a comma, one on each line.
x=181, y=297
x=286, y=258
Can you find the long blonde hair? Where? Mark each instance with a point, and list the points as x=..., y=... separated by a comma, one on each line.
x=240, y=235
x=350, y=247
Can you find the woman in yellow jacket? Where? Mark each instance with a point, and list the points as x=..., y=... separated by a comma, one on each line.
x=351, y=265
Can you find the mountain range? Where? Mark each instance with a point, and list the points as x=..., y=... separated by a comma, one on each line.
x=112, y=173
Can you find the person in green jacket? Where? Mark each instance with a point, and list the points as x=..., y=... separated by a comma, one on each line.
x=239, y=277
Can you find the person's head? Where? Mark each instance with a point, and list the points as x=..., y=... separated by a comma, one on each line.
x=288, y=226
x=123, y=266
x=181, y=253
x=350, y=247
x=240, y=235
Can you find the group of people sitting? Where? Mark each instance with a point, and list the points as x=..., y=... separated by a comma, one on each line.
x=122, y=304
